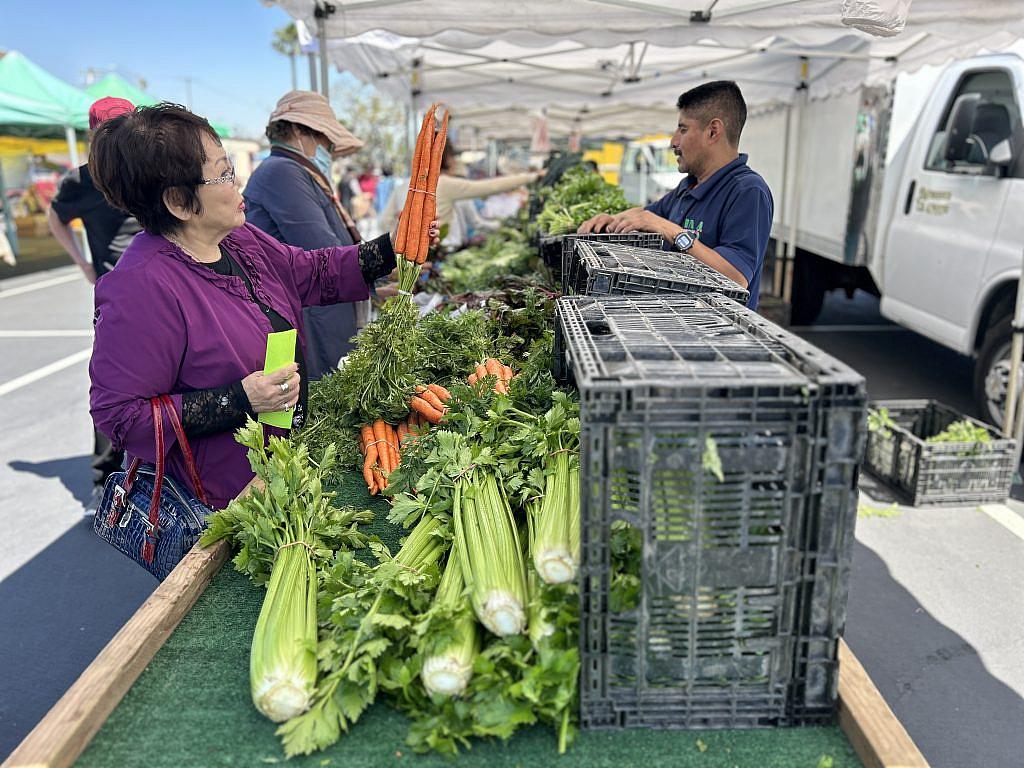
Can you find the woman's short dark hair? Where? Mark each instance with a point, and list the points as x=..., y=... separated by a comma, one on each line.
x=449, y=156
x=139, y=155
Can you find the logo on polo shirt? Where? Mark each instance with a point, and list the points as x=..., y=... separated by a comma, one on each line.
x=697, y=227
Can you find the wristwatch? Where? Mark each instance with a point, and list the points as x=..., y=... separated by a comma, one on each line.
x=685, y=240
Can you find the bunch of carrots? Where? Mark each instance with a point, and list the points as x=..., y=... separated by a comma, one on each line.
x=429, y=402
x=491, y=367
x=413, y=240
x=381, y=443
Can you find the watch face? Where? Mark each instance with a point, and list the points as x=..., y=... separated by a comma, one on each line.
x=683, y=241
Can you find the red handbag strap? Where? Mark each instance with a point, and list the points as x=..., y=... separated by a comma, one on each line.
x=149, y=543
x=186, y=449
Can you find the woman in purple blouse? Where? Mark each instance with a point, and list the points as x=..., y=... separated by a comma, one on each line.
x=189, y=306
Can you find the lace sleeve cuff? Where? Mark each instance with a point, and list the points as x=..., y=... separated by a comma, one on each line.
x=376, y=258
x=209, y=411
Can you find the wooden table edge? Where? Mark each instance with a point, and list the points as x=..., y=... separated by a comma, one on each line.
x=63, y=734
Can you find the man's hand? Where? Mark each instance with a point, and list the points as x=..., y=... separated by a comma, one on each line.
x=637, y=220
x=596, y=224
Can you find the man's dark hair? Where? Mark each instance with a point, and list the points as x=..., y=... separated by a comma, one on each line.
x=138, y=156
x=721, y=99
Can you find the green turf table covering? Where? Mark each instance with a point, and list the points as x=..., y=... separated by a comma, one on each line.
x=191, y=708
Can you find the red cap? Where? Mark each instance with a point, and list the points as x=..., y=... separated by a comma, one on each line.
x=106, y=108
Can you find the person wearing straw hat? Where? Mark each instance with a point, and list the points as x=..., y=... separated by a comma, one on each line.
x=291, y=197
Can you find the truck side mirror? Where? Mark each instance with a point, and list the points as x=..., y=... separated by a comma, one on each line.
x=1001, y=154
x=958, y=127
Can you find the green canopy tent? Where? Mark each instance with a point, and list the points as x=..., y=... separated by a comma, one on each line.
x=36, y=104
x=115, y=85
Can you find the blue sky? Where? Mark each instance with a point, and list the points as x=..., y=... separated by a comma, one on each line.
x=223, y=45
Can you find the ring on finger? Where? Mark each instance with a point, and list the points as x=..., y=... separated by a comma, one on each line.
x=284, y=386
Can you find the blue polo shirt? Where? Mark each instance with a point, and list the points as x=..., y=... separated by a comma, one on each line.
x=731, y=212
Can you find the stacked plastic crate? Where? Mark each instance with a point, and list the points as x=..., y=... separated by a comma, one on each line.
x=552, y=248
x=719, y=458
x=612, y=269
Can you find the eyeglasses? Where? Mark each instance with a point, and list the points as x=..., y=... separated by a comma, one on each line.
x=228, y=177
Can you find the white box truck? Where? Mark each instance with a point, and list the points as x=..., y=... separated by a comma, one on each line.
x=915, y=193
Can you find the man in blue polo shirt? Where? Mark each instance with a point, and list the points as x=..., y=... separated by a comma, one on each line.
x=721, y=212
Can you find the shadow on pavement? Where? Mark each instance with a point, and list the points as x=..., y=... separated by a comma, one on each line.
x=59, y=610
x=75, y=472
x=959, y=715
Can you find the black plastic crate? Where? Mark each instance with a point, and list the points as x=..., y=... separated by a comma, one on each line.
x=937, y=473
x=611, y=269
x=741, y=582
x=552, y=247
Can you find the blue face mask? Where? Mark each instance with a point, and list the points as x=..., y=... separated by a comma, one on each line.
x=322, y=160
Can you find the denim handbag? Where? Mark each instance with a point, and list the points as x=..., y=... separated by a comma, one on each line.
x=146, y=514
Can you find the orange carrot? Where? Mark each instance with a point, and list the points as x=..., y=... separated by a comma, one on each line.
x=430, y=199
x=368, y=476
x=493, y=367
x=380, y=439
x=443, y=394
x=393, y=446
x=473, y=378
x=481, y=372
x=433, y=399
x=403, y=434
x=426, y=410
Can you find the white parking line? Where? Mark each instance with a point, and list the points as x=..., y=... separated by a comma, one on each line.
x=41, y=373
x=65, y=334
x=6, y=294
x=1006, y=517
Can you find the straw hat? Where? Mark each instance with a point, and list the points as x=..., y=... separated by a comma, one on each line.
x=312, y=110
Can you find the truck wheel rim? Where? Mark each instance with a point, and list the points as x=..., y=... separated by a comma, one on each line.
x=996, y=382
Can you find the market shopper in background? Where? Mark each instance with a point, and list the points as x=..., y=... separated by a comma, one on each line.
x=290, y=196
x=721, y=213
x=108, y=231
x=451, y=188
x=189, y=307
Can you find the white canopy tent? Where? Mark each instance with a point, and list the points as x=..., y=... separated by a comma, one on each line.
x=586, y=59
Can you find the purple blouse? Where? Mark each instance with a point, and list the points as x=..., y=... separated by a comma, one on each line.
x=167, y=324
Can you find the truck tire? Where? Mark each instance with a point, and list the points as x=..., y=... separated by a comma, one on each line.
x=992, y=372
x=808, y=290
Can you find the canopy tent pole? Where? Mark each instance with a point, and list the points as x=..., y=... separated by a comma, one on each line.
x=312, y=71
x=12, y=230
x=69, y=134
x=801, y=105
x=778, y=267
x=83, y=241
x=321, y=12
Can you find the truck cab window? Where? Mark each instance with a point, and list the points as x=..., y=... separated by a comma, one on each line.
x=980, y=114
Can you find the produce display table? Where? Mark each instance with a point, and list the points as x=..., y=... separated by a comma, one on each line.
x=161, y=694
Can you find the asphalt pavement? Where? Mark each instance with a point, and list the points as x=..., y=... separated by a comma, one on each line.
x=936, y=612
